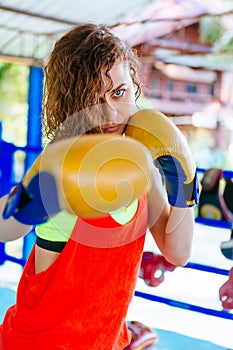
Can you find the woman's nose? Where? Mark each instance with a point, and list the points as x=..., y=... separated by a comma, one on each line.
x=110, y=112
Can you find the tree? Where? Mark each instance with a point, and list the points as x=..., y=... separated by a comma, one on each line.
x=13, y=102
x=217, y=31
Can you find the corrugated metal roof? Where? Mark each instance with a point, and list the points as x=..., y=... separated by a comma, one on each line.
x=29, y=28
x=164, y=16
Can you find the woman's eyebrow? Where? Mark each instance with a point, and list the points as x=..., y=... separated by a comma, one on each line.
x=118, y=87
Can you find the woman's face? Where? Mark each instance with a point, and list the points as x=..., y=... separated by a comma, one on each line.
x=117, y=103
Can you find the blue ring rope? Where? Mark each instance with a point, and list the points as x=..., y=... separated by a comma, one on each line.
x=186, y=306
x=213, y=222
x=207, y=268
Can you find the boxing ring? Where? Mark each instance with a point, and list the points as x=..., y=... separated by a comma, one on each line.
x=184, y=309
x=187, y=301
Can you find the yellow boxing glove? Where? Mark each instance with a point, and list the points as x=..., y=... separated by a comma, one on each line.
x=87, y=176
x=170, y=152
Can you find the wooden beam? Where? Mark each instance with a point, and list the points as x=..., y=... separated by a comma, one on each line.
x=36, y=15
x=22, y=60
x=182, y=46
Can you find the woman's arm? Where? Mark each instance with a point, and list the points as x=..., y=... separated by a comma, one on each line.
x=11, y=229
x=172, y=228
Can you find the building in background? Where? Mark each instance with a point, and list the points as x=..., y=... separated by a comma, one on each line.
x=184, y=76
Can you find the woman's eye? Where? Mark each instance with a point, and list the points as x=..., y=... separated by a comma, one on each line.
x=118, y=93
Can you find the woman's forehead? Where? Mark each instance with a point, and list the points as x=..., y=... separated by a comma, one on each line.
x=119, y=74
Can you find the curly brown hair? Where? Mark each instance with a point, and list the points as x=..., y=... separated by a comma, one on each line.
x=73, y=76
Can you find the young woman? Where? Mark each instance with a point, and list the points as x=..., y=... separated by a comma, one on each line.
x=72, y=294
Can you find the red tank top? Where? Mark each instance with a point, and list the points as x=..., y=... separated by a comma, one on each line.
x=80, y=302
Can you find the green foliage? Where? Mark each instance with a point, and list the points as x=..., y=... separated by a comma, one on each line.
x=13, y=101
x=225, y=44
x=211, y=30
x=217, y=30
x=4, y=67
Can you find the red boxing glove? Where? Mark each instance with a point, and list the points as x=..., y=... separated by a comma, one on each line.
x=226, y=292
x=153, y=267
x=142, y=336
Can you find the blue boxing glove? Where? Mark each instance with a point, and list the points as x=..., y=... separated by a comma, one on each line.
x=35, y=202
x=180, y=194
x=171, y=154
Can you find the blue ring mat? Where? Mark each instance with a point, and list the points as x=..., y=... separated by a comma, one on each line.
x=167, y=340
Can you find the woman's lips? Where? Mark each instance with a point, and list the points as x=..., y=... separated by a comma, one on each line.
x=112, y=128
